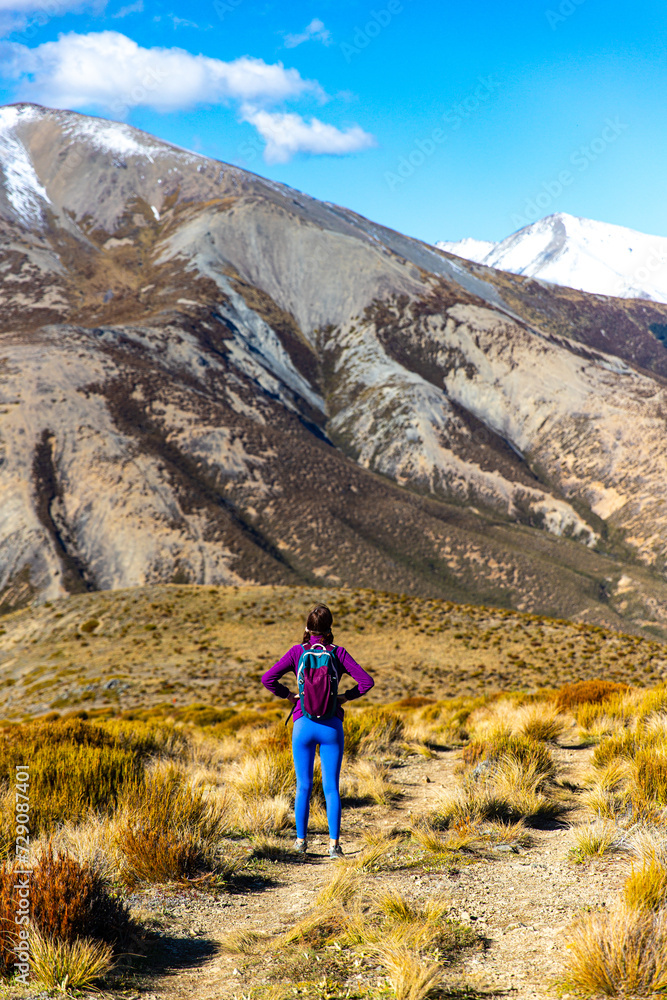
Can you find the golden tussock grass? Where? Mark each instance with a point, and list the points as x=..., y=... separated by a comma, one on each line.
x=505, y=789
x=243, y=941
x=412, y=976
x=594, y=840
x=264, y=815
x=443, y=845
x=266, y=774
x=366, y=779
x=646, y=887
x=67, y=965
x=376, y=855
x=619, y=953
x=345, y=883
x=502, y=745
x=502, y=832
x=507, y=716
x=317, y=928
x=271, y=848
x=606, y=791
x=372, y=730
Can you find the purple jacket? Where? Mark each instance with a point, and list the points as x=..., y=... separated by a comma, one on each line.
x=345, y=664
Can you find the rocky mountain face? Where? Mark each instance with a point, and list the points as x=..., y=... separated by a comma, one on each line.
x=580, y=253
x=208, y=377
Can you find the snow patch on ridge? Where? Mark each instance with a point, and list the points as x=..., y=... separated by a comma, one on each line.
x=24, y=192
x=122, y=140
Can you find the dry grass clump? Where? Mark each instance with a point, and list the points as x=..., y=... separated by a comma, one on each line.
x=264, y=816
x=345, y=883
x=540, y=720
x=607, y=790
x=316, y=929
x=438, y=721
x=618, y=953
x=242, y=941
x=501, y=745
x=376, y=855
x=271, y=848
x=646, y=888
x=510, y=787
x=263, y=775
x=594, y=840
x=440, y=846
x=611, y=716
x=372, y=730
x=411, y=975
x=66, y=965
x=365, y=779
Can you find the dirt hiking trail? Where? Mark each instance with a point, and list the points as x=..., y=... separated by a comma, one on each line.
x=518, y=900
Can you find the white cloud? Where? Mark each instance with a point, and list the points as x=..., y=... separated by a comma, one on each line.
x=315, y=31
x=287, y=134
x=108, y=70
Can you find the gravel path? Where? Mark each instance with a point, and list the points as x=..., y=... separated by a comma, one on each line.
x=520, y=903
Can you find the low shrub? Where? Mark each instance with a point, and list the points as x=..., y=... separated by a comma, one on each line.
x=75, y=768
x=587, y=692
x=171, y=831
x=68, y=901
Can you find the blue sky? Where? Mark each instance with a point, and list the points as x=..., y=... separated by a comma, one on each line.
x=439, y=120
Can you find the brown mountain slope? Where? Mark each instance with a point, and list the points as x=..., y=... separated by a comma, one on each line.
x=209, y=377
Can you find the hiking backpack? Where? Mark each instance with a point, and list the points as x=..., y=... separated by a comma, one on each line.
x=317, y=680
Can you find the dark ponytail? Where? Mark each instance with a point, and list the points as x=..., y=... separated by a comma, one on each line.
x=319, y=622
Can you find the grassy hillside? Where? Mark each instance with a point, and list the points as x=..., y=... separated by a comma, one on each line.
x=175, y=645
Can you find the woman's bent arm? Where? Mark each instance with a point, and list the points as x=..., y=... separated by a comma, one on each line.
x=350, y=666
x=271, y=679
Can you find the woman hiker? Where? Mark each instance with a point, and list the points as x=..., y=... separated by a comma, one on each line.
x=318, y=716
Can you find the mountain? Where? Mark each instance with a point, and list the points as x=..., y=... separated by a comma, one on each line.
x=580, y=253
x=209, y=377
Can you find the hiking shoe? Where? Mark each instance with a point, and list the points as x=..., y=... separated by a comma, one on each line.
x=300, y=846
x=335, y=851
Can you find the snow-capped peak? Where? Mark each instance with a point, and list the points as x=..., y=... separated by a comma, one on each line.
x=580, y=253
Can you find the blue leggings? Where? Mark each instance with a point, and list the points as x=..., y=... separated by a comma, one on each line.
x=306, y=736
